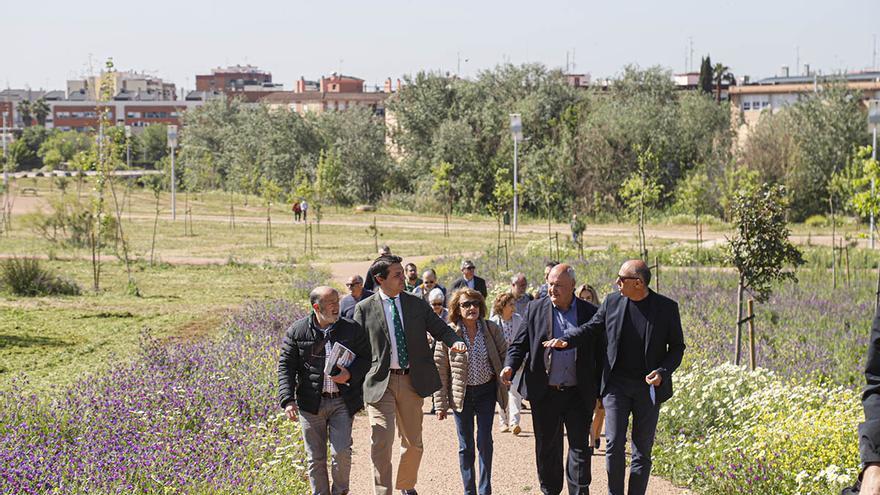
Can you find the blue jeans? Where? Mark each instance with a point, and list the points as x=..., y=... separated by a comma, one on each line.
x=479, y=401
x=332, y=417
x=620, y=401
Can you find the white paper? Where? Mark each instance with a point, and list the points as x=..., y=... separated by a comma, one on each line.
x=339, y=354
x=653, y=394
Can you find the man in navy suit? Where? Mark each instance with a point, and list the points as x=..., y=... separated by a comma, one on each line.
x=645, y=344
x=560, y=385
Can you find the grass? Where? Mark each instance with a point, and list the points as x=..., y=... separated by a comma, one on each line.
x=53, y=340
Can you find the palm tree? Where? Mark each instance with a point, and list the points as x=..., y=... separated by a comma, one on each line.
x=24, y=109
x=722, y=74
x=41, y=110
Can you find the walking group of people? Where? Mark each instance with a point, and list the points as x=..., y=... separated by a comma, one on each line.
x=560, y=350
x=300, y=210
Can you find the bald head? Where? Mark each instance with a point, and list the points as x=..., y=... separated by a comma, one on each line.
x=325, y=303
x=633, y=279
x=560, y=285
x=636, y=268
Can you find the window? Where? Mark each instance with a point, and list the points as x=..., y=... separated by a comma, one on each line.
x=747, y=105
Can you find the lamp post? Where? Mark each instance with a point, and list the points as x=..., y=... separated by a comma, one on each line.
x=172, y=143
x=516, y=131
x=873, y=121
x=128, y=146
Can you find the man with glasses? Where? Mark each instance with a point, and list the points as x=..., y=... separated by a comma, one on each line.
x=397, y=325
x=429, y=283
x=356, y=293
x=560, y=385
x=324, y=404
x=469, y=280
x=645, y=345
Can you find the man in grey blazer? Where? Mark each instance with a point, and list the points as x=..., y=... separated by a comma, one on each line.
x=402, y=373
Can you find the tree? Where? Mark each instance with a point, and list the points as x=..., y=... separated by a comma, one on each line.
x=706, y=75
x=760, y=247
x=442, y=173
x=24, y=110
x=271, y=193
x=40, y=109
x=60, y=147
x=696, y=196
x=721, y=74
x=328, y=184
x=152, y=144
x=502, y=197
x=640, y=191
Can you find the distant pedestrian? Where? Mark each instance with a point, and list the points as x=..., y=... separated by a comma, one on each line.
x=577, y=229
x=297, y=211
x=429, y=283
x=323, y=404
x=304, y=206
x=469, y=279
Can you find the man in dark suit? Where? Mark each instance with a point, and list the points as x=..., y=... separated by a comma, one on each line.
x=402, y=374
x=869, y=431
x=645, y=344
x=356, y=293
x=468, y=279
x=560, y=385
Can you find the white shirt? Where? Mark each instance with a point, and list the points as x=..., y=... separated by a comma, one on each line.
x=470, y=283
x=389, y=319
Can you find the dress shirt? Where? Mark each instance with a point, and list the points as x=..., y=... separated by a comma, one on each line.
x=562, y=368
x=389, y=319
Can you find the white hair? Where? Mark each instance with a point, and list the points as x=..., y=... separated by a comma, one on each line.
x=436, y=295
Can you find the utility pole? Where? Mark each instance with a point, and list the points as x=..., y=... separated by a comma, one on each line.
x=516, y=131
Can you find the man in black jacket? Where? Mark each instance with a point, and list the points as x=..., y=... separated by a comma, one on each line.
x=325, y=403
x=468, y=279
x=560, y=385
x=644, y=346
x=869, y=431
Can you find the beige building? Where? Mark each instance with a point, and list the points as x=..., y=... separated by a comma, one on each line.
x=125, y=85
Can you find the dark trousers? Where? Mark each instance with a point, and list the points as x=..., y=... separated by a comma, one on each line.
x=479, y=402
x=557, y=409
x=620, y=401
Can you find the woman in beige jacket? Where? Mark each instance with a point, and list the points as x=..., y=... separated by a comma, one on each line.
x=470, y=386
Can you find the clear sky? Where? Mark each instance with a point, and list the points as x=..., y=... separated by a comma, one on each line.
x=47, y=42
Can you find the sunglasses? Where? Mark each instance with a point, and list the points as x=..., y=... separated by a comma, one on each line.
x=437, y=304
x=469, y=304
x=352, y=285
x=622, y=278
x=468, y=268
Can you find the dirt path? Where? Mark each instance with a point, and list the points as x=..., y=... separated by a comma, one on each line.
x=514, y=456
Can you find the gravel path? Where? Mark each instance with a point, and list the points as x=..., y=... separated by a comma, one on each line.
x=513, y=465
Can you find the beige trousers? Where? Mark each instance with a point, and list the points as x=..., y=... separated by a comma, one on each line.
x=402, y=404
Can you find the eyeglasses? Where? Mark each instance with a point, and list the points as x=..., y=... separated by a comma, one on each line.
x=430, y=282
x=622, y=278
x=436, y=304
x=469, y=304
x=352, y=284
x=468, y=268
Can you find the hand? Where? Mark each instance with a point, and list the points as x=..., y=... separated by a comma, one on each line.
x=292, y=411
x=441, y=415
x=556, y=343
x=342, y=377
x=871, y=480
x=654, y=378
x=505, y=375
x=459, y=347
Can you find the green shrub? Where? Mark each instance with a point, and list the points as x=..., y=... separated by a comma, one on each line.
x=27, y=277
x=816, y=221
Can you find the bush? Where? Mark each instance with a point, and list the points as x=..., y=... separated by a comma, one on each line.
x=26, y=277
x=732, y=431
x=816, y=221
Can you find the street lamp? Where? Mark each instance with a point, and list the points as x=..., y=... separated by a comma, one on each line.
x=516, y=131
x=172, y=143
x=873, y=121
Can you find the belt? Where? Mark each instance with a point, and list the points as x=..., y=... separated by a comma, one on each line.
x=331, y=395
x=561, y=388
x=399, y=371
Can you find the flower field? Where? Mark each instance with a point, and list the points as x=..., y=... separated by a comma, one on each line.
x=189, y=418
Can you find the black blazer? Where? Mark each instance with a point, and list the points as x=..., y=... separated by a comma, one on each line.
x=301, y=367
x=527, y=348
x=869, y=431
x=479, y=285
x=664, y=341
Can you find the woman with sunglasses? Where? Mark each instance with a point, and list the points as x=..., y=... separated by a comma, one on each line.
x=469, y=385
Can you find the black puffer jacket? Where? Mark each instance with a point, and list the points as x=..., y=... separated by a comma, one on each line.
x=300, y=367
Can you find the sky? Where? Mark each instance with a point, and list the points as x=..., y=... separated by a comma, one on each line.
x=59, y=40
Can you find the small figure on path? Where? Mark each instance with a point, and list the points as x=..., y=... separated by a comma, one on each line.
x=324, y=404
x=397, y=325
x=469, y=280
x=356, y=293
x=304, y=207
x=560, y=385
x=297, y=211
x=469, y=385
x=645, y=345
x=577, y=229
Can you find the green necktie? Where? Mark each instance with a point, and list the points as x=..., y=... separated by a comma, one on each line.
x=399, y=337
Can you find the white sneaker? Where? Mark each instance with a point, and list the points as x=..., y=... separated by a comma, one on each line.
x=505, y=428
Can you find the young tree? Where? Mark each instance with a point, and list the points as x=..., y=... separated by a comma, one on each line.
x=271, y=193
x=442, y=174
x=696, y=196
x=502, y=197
x=641, y=191
x=328, y=184
x=760, y=247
